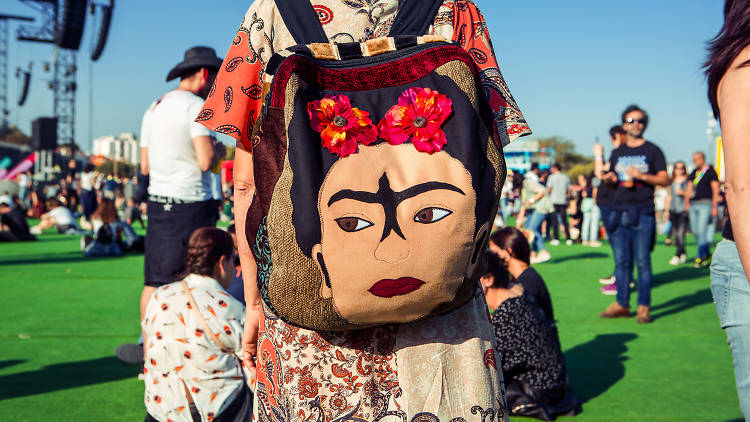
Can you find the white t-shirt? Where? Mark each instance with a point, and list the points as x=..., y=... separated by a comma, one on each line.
x=167, y=131
x=87, y=181
x=62, y=216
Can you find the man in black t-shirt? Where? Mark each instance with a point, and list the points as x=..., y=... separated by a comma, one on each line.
x=13, y=226
x=636, y=168
x=702, y=202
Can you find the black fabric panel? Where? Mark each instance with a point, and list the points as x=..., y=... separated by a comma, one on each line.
x=273, y=64
x=415, y=17
x=403, y=41
x=350, y=50
x=302, y=21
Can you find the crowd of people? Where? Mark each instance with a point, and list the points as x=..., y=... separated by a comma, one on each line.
x=212, y=346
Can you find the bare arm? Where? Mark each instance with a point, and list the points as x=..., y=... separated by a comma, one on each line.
x=244, y=190
x=688, y=195
x=144, y=160
x=204, y=152
x=715, y=198
x=734, y=103
x=659, y=179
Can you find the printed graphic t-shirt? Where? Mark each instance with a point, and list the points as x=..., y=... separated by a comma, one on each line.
x=649, y=159
x=702, y=183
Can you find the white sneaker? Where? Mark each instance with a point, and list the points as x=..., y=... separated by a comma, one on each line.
x=541, y=257
x=595, y=243
x=35, y=230
x=607, y=280
x=568, y=242
x=554, y=242
x=675, y=260
x=683, y=258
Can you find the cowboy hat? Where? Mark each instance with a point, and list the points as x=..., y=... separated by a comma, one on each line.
x=195, y=58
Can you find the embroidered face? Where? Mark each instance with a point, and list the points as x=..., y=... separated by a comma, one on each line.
x=397, y=232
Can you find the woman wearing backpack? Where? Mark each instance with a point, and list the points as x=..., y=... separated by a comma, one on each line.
x=370, y=373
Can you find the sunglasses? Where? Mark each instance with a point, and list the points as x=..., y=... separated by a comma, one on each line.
x=632, y=120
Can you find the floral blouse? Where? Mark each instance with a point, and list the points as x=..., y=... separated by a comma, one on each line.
x=177, y=350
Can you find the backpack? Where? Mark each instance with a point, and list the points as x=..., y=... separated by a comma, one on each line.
x=104, y=235
x=378, y=170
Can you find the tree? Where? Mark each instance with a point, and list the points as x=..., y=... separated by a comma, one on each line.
x=123, y=169
x=13, y=135
x=565, y=152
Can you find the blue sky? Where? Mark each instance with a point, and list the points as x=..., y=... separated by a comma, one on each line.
x=572, y=66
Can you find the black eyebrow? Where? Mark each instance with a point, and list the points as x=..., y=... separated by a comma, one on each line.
x=372, y=197
x=389, y=199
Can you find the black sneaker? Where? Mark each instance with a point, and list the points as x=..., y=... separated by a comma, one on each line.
x=130, y=353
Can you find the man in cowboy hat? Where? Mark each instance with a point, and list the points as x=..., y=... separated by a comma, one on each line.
x=176, y=154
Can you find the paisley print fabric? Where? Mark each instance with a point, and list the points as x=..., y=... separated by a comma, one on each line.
x=442, y=369
x=262, y=33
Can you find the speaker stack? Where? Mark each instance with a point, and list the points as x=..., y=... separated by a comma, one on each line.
x=71, y=25
x=43, y=134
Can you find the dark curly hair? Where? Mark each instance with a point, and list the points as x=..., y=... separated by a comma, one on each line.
x=493, y=267
x=726, y=46
x=631, y=108
x=205, y=247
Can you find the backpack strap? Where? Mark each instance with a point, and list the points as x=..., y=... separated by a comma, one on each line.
x=414, y=17
x=301, y=21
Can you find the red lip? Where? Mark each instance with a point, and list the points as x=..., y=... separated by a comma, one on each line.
x=390, y=288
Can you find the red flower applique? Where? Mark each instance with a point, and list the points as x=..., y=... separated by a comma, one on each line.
x=341, y=126
x=419, y=115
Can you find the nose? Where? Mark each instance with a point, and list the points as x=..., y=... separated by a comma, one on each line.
x=392, y=249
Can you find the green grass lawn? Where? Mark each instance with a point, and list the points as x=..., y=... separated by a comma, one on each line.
x=63, y=315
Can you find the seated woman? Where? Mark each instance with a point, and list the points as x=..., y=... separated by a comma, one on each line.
x=58, y=216
x=512, y=247
x=105, y=225
x=192, y=332
x=533, y=364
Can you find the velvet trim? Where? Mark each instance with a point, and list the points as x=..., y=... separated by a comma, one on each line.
x=383, y=75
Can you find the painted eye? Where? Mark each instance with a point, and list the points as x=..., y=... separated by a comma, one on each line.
x=430, y=215
x=352, y=224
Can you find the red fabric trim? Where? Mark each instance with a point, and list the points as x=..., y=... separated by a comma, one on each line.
x=366, y=78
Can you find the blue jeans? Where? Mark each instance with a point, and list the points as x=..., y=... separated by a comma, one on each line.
x=590, y=225
x=700, y=219
x=633, y=240
x=731, y=292
x=505, y=208
x=534, y=223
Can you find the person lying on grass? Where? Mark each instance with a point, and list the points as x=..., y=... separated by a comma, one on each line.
x=58, y=216
x=192, y=332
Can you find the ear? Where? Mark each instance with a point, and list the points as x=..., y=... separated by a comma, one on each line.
x=480, y=245
x=325, y=286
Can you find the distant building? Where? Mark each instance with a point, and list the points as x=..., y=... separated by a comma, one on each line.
x=520, y=154
x=124, y=148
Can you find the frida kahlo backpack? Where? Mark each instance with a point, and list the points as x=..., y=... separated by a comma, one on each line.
x=378, y=171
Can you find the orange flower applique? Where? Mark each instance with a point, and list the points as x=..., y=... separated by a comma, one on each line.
x=418, y=116
x=341, y=126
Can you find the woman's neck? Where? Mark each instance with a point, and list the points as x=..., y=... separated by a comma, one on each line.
x=496, y=296
x=516, y=267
